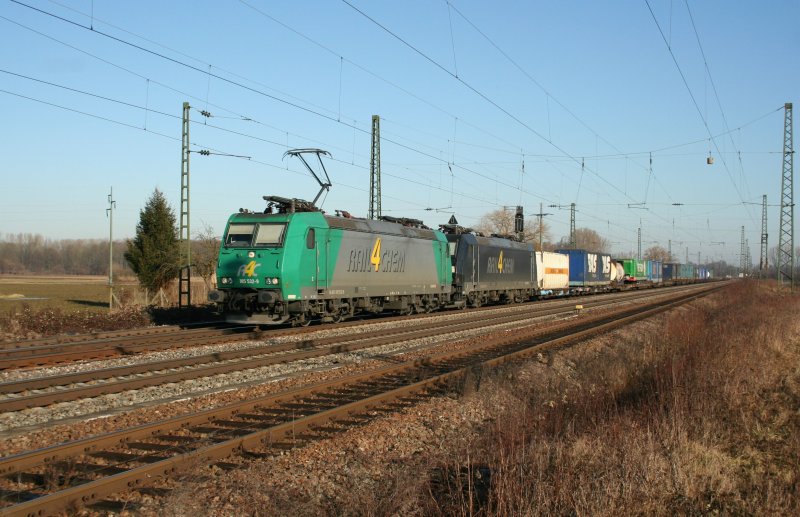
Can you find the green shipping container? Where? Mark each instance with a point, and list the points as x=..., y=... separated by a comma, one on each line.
x=635, y=270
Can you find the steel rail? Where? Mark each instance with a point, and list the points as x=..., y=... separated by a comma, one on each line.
x=419, y=375
x=102, y=345
x=240, y=360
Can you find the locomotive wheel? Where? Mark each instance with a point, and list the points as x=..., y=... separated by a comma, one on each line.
x=301, y=321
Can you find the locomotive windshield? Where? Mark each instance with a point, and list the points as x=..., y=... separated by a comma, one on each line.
x=254, y=235
x=270, y=234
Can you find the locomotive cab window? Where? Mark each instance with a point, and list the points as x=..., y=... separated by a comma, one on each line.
x=239, y=235
x=270, y=235
x=310, y=239
x=452, y=247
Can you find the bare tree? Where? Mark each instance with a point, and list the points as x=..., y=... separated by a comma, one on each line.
x=501, y=222
x=658, y=253
x=588, y=239
x=205, y=254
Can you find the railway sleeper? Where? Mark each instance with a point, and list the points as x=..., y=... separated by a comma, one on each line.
x=226, y=465
x=265, y=419
x=127, y=457
x=176, y=438
x=95, y=468
x=156, y=447
x=49, y=479
x=304, y=406
x=210, y=432
x=18, y=496
x=239, y=424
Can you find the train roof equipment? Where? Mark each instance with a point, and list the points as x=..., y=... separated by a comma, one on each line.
x=299, y=153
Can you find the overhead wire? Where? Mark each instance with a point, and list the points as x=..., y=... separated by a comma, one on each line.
x=696, y=105
x=489, y=100
x=301, y=107
x=478, y=93
x=206, y=150
x=253, y=90
x=496, y=180
x=714, y=88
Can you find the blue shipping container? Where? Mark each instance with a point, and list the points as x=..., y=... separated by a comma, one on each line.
x=587, y=268
x=654, y=271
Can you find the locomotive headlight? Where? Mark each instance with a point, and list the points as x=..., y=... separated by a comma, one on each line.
x=273, y=281
x=227, y=280
x=251, y=254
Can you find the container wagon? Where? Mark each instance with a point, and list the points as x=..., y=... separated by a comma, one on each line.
x=654, y=273
x=635, y=270
x=588, y=271
x=552, y=274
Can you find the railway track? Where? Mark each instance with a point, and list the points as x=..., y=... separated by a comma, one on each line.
x=43, y=391
x=105, y=345
x=83, y=472
x=125, y=344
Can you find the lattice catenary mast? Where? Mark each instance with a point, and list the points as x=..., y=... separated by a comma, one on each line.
x=572, y=238
x=185, y=250
x=375, y=170
x=786, y=231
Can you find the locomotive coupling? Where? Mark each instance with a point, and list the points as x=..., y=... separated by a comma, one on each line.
x=267, y=297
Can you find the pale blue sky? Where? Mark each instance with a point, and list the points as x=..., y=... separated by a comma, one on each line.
x=486, y=87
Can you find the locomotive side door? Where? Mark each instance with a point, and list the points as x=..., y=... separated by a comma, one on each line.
x=476, y=261
x=321, y=245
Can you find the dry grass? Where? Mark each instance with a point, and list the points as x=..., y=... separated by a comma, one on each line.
x=33, y=306
x=30, y=323
x=691, y=413
x=699, y=418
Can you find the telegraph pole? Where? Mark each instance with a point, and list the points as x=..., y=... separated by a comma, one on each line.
x=786, y=233
x=110, y=213
x=375, y=170
x=742, y=254
x=540, y=215
x=669, y=248
x=185, y=253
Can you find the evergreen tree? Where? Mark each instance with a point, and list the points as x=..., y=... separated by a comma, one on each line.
x=153, y=253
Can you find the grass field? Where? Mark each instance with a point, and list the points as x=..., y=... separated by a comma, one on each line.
x=68, y=293
x=35, y=305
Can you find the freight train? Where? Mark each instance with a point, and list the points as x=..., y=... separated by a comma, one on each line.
x=294, y=264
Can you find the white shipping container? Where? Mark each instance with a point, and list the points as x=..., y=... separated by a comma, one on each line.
x=552, y=270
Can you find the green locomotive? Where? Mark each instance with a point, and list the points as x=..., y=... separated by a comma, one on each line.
x=299, y=264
